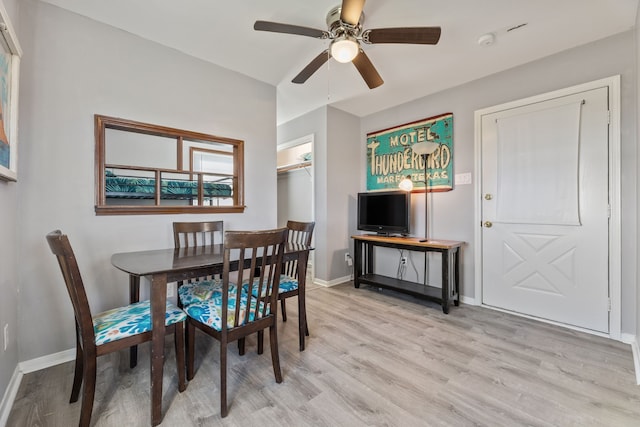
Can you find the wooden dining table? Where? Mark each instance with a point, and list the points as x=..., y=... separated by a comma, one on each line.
x=164, y=266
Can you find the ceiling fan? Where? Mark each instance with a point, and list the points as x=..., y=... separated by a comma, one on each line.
x=345, y=32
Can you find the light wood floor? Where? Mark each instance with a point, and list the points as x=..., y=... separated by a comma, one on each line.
x=373, y=359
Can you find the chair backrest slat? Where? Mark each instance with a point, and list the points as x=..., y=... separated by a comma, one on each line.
x=262, y=252
x=272, y=280
x=238, y=292
x=191, y=234
x=300, y=233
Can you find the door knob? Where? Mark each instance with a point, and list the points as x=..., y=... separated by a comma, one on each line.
x=488, y=224
x=488, y=196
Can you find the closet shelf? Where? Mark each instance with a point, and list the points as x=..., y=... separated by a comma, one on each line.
x=287, y=168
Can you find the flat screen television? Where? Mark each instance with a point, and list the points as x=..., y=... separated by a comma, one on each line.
x=385, y=212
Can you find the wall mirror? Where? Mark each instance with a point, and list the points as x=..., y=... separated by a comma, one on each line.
x=150, y=169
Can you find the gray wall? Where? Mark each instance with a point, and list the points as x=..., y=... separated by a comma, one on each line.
x=9, y=253
x=343, y=142
x=336, y=153
x=314, y=123
x=453, y=212
x=295, y=196
x=74, y=67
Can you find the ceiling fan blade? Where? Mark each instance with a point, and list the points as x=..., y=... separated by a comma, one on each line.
x=276, y=27
x=351, y=11
x=312, y=67
x=367, y=70
x=409, y=35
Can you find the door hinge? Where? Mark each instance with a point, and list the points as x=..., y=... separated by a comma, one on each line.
x=608, y=117
x=609, y=211
x=609, y=304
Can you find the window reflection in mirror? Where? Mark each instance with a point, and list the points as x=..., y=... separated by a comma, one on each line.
x=151, y=169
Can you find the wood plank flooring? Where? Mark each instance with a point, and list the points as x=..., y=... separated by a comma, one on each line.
x=373, y=359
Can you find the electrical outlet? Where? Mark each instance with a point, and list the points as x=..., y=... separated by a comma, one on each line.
x=6, y=336
x=403, y=260
x=171, y=289
x=348, y=259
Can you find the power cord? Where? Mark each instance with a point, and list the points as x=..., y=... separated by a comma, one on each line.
x=402, y=265
x=349, y=262
x=414, y=266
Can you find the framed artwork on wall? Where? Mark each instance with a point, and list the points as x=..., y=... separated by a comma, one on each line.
x=10, y=54
x=391, y=156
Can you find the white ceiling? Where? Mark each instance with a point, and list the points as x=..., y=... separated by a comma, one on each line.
x=222, y=32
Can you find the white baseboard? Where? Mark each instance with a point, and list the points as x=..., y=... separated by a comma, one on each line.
x=468, y=300
x=333, y=282
x=632, y=340
x=636, y=359
x=627, y=338
x=25, y=368
x=47, y=361
x=10, y=396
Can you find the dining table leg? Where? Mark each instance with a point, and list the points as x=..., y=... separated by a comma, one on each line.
x=302, y=309
x=158, y=310
x=134, y=296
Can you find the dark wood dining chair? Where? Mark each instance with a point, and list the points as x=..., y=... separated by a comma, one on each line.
x=299, y=232
x=108, y=331
x=302, y=233
x=191, y=235
x=235, y=314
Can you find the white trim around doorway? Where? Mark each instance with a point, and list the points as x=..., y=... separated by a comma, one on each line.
x=307, y=139
x=615, y=240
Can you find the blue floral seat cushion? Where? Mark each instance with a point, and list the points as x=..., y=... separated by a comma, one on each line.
x=190, y=293
x=287, y=284
x=209, y=312
x=134, y=319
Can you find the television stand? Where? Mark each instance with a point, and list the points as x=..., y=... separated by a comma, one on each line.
x=449, y=250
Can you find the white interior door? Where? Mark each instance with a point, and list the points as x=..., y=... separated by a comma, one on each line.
x=545, y=209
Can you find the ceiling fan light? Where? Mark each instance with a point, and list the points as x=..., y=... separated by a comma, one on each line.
x=344, y=48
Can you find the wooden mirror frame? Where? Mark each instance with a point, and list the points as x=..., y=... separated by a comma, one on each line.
x=102, y=123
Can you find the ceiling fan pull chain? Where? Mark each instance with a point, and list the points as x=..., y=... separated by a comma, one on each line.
x=328, y=76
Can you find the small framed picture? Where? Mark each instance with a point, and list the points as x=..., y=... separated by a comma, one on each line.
x=10, y=53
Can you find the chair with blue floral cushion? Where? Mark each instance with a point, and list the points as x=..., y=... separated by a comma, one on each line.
x=302, y=233
x=232, y=314
x=108, y=331
x=191, y=235
x=299, y=232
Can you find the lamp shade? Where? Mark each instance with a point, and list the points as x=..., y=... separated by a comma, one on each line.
x=344, y=48
x=424, y=147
